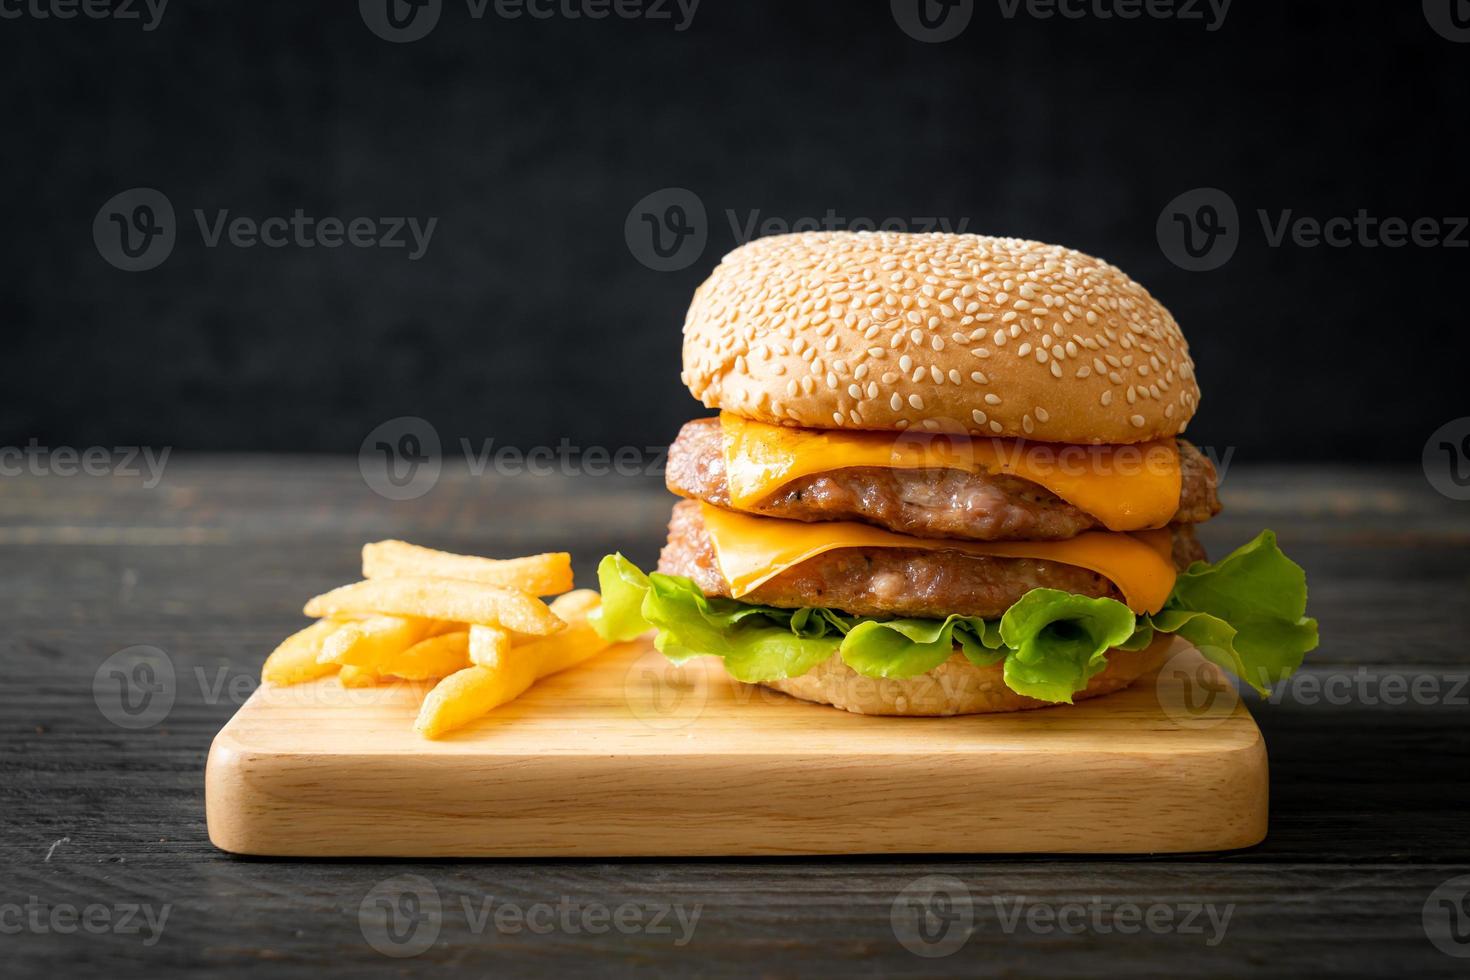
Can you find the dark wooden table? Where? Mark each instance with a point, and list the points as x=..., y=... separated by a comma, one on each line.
x=104, y=825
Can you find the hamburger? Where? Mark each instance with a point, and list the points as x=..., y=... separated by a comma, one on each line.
x=947, y=476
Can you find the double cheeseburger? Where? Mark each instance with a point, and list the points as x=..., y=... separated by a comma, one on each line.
x=946, y=477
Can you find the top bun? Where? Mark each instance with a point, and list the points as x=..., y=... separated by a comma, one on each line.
x=948, y=333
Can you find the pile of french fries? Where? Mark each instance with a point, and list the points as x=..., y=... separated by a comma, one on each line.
x=475, y=625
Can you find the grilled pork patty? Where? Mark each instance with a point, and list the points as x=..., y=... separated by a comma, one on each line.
x=937, y=503
x=894, y=581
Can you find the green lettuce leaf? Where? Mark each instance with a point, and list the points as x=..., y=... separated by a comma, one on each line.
x=756, y=642
x=909, y=647
x=623, y=585
x=1246, y=612
x=1059, y=640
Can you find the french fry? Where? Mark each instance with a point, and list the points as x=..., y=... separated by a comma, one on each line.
x=473, y=692
x=575, y=606
x=547, y=574
x=295, y=660
x=566, y=649
x=487, y=644
x=373, y=641
x=440, y=598
x=351, y=676
x=464, y=696
x=432, y=658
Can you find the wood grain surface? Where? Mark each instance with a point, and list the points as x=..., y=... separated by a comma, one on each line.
x=1369, y=754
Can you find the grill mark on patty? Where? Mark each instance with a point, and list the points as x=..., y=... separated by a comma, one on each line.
x=936, y=503
x=895, y=581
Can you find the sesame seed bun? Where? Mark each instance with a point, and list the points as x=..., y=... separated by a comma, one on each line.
x=952, y=333
x=955, y=687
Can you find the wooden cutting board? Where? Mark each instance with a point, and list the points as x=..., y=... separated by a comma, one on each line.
x=630, y=755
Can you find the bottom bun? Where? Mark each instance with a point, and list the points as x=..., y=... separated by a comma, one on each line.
x=955, y=687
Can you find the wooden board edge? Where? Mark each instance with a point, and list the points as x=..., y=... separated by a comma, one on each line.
x=255, y=806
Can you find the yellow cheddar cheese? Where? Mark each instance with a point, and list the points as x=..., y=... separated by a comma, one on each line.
x=752, y=550
x=1127, y=488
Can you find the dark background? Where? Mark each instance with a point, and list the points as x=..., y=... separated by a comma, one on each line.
x=529, y=320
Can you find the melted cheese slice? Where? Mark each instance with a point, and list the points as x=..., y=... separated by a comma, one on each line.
x=1127, y=488
x=752, y=550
